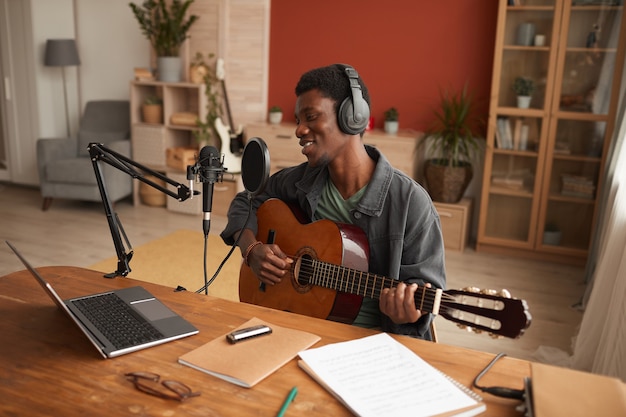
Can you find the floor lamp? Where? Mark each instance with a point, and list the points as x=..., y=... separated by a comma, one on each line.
x=62, y=53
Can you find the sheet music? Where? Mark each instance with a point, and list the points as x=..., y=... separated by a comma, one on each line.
x=378, y=376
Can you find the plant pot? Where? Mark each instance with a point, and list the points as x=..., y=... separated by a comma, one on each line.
x=552, y=237
x=152, y=113
x=447, y=184
x=523, y=102
x=197, y=73
x=169, y=69
x=275, y=117
x=391, y=126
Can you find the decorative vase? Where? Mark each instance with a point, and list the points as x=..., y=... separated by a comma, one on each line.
x=391, y=126
x=169, y=68
x=197, y=73
x=523, y=102
x=275, y=117
x=152, y=113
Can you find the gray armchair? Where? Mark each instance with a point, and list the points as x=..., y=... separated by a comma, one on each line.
x=65, y=169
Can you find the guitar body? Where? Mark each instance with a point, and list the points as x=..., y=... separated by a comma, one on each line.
x=339, y=244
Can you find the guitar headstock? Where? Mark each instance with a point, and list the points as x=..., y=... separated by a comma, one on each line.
x=494, y=312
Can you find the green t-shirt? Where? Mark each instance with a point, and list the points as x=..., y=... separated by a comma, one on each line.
x=332, y=206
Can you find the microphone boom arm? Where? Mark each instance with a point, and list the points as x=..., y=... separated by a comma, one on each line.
x=99, y=153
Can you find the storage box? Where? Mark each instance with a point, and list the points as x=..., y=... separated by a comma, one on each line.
x=180, y=157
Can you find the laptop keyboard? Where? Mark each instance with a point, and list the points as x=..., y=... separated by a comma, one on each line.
x=117, y=321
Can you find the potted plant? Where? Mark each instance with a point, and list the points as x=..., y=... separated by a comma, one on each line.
x=276, y=115
x=551, y=235
x=166, y=27
x=524, y=88
x=391, y=120
x=453, y=145
x=198, y=68
x=152, y=109
x=206, y=133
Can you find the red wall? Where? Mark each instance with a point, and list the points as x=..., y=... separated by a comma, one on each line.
x=405, y=50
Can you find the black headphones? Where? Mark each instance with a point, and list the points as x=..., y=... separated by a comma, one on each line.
x=354, y=112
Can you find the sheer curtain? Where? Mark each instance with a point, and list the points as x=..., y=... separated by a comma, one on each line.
x=600, y=346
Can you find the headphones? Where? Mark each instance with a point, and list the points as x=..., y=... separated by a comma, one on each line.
x=354, y=112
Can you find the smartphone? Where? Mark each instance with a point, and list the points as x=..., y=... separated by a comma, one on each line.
x=248, y=333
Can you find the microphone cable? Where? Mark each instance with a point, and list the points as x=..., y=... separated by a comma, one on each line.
x=497, y=391
x=206, y=285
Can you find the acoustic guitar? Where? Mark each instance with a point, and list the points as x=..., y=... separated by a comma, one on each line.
x=328, y=278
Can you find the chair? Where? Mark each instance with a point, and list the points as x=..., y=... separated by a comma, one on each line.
x=65, y=169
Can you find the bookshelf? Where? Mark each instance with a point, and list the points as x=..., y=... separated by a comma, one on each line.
x=544, y=164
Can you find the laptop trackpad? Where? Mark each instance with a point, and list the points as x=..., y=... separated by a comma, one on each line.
x=153, y=309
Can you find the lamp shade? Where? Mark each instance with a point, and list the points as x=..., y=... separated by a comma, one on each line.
x=61, y=53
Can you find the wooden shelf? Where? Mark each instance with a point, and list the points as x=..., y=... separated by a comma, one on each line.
x=566, y=140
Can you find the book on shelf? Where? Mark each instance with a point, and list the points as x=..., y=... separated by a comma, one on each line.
x=503, y=127
x=247, y=362
x=379, y=376
x=517, y=134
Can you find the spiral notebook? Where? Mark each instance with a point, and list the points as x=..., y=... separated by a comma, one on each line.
x=378, y=376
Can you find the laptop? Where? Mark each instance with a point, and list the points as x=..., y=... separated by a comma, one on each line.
x=119, y=321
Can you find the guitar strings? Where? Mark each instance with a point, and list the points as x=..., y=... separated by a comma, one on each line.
x=333, y=276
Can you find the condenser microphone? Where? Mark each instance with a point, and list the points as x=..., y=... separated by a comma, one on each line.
x=211, y=170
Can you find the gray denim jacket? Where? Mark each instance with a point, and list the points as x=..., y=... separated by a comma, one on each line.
x=396, y=214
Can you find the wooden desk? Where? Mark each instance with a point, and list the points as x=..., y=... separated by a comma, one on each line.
x=47, y=367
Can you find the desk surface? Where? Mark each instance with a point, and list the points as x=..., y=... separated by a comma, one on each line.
x=49, y=368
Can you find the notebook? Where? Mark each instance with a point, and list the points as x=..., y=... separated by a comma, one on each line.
x=377, y=376
x=119, y=321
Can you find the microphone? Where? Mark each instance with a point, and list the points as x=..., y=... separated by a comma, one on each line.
x=211, y=170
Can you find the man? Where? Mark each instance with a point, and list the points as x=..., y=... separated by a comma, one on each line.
x=346, y=181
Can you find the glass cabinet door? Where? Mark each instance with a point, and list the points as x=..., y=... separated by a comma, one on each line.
x=588, y=67
x=516, y=139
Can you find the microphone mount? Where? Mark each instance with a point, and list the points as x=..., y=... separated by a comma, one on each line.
x=99, y=153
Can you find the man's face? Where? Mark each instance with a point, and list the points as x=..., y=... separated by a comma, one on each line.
x=320, y=136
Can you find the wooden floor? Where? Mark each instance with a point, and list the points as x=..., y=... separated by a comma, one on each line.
x=76, y=233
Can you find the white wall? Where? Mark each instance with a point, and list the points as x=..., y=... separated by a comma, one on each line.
x=110, y=45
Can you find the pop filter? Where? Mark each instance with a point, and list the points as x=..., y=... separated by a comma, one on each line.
x=255, y=166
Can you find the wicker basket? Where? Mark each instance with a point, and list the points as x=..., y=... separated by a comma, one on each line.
x=447, y=184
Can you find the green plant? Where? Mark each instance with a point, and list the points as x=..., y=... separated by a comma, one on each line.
x=391, y=114
x=165, y=26
x=276, y=109
x=206, y=128
x=153, y=100
x=453, y=138
x=523, y=86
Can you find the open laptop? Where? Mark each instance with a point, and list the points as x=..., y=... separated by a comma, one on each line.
x=119, y=321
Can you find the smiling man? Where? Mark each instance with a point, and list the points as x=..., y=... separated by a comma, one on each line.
x=346, y=181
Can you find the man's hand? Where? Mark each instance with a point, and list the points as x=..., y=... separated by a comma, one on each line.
x=399, y=303
x=269, y=263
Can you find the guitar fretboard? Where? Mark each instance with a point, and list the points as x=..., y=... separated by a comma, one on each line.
x=365, y=284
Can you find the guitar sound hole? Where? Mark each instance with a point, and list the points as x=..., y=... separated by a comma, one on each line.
x=303, y=270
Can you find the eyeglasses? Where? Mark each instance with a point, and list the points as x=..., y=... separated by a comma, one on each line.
x=149, y=383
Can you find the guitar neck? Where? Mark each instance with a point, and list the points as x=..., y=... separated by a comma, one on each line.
x=365, y=284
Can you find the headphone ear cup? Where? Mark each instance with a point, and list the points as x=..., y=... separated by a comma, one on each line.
x=345, y=118
x=353, y=121
x=354, y=112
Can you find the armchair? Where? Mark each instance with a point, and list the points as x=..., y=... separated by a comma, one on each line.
x=64, y=164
